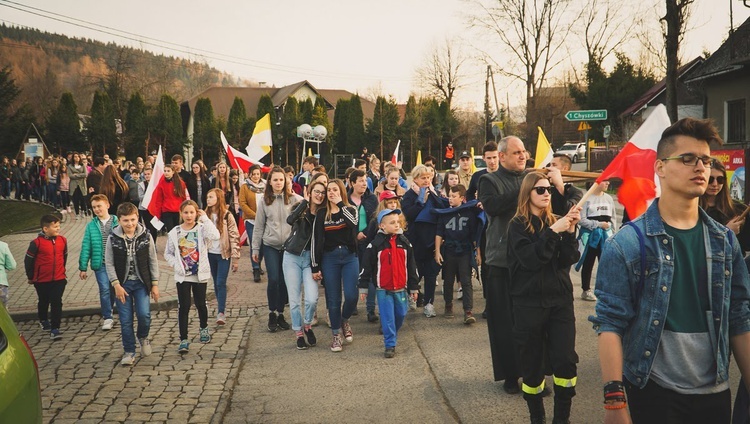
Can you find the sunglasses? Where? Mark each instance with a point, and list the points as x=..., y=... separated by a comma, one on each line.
x=541, y=189
x=719, y=180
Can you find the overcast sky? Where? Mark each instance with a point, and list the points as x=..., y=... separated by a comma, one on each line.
x=361, y=46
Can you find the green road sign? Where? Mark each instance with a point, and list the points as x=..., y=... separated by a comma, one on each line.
x=586, y=115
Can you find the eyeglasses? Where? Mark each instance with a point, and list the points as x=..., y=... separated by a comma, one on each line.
x=719, y=180
x=689, y=159
x=319, y=192
x=541, y=189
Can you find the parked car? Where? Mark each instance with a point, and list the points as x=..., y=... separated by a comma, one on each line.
x=479, y=163
x=575, y=151
x=20, y=395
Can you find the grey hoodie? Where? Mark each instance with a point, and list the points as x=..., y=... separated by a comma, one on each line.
x=271, y=228
x=110, y=260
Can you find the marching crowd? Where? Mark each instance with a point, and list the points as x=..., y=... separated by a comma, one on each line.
x=672, y=287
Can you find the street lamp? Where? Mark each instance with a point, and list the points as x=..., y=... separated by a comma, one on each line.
x=313, y=135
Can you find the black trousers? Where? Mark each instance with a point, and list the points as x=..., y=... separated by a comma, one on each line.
x=539, y=332
x=50, y=297
x=588, y=265
x=146, y=220
x=170, y=220
x=458, y=266
x=500, y=325
x=657, y=405
x=79, y=201
x=183, y=298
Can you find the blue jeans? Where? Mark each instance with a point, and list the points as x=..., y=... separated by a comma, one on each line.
x=6, y=188
x=340, y=267
x=219, y=272
x=137, y=299
x=393, y=308
x=298, y=276
x=52, y=193
x=249, y=227
x=106, y=292
x=276, y=291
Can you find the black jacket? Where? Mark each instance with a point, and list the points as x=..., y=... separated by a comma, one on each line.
x=145, y=256
x=192, y=188
x=561, y=203
x=498, y=192
x=302, y=222
x=373, y=266
x=540, y=264
x=370, y=203
x=422, y=224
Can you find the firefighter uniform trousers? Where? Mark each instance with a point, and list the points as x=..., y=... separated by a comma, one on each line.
x=545, y=336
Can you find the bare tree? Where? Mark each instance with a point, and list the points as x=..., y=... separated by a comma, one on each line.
x=441, y=74
x=605, y=28
x=532, y=34
x=675, y=21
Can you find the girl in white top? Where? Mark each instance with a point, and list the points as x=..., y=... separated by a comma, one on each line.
x=597, y=224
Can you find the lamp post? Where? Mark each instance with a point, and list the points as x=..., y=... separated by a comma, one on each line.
x=313, y=135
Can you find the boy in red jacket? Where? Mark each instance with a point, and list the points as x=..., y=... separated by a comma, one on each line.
x=389, y=259
x=45, y=268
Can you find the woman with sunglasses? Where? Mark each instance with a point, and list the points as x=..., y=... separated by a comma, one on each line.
x=541, y=250
x=597, y=225
x=718, y=204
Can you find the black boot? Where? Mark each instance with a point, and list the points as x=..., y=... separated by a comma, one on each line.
x=536, y=408
x=563, y=402
x=256, y=275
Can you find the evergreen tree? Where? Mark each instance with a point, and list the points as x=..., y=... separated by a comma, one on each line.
x=265, y=106
x=288, y=129
x=168, y=126
x=340, y=127
x=64, y=127
x=206, y=140
x=409, y=130
x=136, y=128
x=101, y=129
x=382, y=129
x=306, y=111
x=236, y=123
x=431, y=129
x=13, y=121
x=355, y=127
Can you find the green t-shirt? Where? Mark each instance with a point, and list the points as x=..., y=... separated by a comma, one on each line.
x=688, y=301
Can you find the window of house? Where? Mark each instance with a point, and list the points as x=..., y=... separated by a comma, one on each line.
x=736, y=125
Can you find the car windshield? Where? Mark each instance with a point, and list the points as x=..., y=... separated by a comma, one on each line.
x=568, y=147
x=480, y=163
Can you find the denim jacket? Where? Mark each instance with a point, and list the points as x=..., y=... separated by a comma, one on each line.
x=640, y=326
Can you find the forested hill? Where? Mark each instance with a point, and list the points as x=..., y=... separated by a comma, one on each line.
x=45, y=65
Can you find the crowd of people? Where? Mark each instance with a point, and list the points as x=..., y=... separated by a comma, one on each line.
x=374, y=237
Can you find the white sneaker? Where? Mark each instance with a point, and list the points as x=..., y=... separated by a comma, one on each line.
x=429, y=310
x=145, y=347
x=128, y=359
x=588, y=295
x=460, y=294
x=221, y=319
x=108, y=323
x=412, y=304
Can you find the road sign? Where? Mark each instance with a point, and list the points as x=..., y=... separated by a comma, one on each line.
x=499, y=124
x=586, y=115
x=607, y=131
x=584, y=126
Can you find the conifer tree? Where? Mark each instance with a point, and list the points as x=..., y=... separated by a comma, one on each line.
x=101, y=129
x=136, y=128
x=64, y=127
x=236, y=122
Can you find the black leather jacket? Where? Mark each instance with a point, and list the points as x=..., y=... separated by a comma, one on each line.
x=302, y=222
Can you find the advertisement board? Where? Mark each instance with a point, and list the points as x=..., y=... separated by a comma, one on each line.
x=734, y=161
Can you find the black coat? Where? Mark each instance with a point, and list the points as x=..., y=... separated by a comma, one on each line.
x=192, y=187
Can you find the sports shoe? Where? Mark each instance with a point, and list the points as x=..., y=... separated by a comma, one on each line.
x=336, y=343
x=301, y=345
x=145, y=347
x=420, y=300
x=184, y=346
x=311, y=339
x=469, y=318
x=588, y=295
x=45, y=325
x=256, y=275
x=390, y=352
x=272, y=322
x=205, y=336
x=347, y=330
x=128, y=359
x=449, y=311
x=460, y=294
x=281, y=322
x=108, y=323
x=221, y=319
x=55, y=334
x=372, y=317
x=412, y=304
x=429, y=310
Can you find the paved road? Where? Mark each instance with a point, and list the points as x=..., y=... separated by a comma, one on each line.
x=441, y=373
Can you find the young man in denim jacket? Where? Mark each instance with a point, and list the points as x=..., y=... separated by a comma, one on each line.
x=665, y=327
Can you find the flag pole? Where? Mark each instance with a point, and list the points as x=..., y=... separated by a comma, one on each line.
x=587, y=194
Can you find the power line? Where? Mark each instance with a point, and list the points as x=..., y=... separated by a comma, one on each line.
x=207, y=54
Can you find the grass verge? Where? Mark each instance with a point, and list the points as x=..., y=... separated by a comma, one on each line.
x=18, y=216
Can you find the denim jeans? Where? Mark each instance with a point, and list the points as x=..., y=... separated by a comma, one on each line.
x=52, y=193
x=276, y=291
x=429, y=269
x=106, y=292
x=298, y=276
x=219, y=273
x=393, y=308
x=249, y=227
x=340, y=268
x=136, y=300
x=6, y=188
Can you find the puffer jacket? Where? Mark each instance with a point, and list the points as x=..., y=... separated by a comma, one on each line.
x=207, y=233
x=92, y=248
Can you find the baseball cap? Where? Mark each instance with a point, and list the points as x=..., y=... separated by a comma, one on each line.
x=388, y=194
x=465, y=154
x=386, y=212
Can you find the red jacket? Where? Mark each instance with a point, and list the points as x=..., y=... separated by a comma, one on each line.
x=46, y=258
x=389, y=262
x=164, y=199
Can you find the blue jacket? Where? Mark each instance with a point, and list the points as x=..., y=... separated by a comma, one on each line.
x=641, y=327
